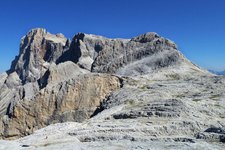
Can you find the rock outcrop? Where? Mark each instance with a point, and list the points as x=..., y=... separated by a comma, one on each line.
x=140, y=55
x=37, y=49
x=75, y=99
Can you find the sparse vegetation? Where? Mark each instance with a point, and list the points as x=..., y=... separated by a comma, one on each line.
x=173, y=76
x=144, y=87
x=196, y=100
x=130, y=102
x=215, y=97
x=218, y=105
x=179, y=96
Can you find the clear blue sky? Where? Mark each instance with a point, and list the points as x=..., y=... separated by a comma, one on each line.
x=197, y=26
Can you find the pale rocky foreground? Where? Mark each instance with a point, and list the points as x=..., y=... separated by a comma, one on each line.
x=112, y=93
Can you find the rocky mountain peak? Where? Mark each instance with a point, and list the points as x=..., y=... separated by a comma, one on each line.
x=147, y=37
x=153, y=37
x=37, y=48
x=139, y=55
x=101, y=54
x=37, y=31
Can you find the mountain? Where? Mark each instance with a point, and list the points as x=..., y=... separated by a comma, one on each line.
x=218, y=72
x=93, y=92
x=222, y=72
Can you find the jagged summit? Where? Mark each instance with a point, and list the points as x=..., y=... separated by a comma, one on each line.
x=37, y=49
x=94, y=53
x=37, y=31
x=42, y=33
x=101, y=54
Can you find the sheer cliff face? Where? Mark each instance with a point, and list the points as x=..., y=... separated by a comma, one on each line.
x=37, y=49
x=55, y=80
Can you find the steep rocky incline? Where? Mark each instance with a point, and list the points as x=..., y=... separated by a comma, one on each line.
x=134, y=90
x=38, y=49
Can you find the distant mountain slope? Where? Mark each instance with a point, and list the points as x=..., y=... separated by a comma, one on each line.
x=217, y=72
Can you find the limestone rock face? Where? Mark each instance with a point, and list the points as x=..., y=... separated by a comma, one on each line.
x=84, y=49
x=59, y=73
x=37, y=48
x=161, y=53
x=140, y=55
x=9, y=91
x=3, y=77
x=73, y=100
x=13, y=80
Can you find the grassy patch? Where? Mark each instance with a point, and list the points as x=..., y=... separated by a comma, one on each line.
x=173, y=76
x=180, y=96
x=222, y=116
x=47, y=144
x=130, y=102
x=144, y=87
x=132, y=82
x=217, y=105
x=215, y=97
x=196, y=100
